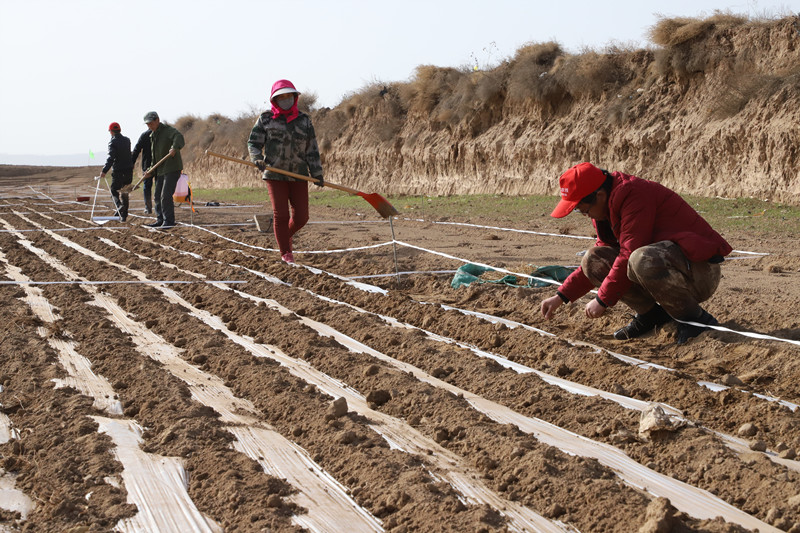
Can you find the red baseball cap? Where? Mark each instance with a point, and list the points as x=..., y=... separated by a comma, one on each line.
x=576, y=184
x=114, y=127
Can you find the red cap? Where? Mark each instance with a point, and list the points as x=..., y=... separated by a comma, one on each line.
x=576, y=184
x=114, y=127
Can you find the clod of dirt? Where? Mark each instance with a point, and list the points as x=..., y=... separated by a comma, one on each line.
x=660, y=517
x=788, y=454
x=371, y=370
x=731, y=380
x=337, y=409
x=379, y=397
x=653, y=418
x=758, y=446
x=348, y=437
x=273, y=501
x=747, y=430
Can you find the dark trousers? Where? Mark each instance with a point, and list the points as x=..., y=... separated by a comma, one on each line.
x=287, y=222
x=165, y=188
x=147, y=190
x=119, y=179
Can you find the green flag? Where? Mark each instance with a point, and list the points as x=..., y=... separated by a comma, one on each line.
x=91, y=154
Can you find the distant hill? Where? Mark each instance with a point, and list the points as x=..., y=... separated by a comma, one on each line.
x=68, y=160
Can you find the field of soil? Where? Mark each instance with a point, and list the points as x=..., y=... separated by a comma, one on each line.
x=188, y=380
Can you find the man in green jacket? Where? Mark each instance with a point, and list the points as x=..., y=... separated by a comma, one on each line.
x=166, y=142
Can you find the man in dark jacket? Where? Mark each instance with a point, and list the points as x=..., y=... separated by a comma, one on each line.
x=164, y=141
x=119, y=161
x=653, y=252
x=143, y=147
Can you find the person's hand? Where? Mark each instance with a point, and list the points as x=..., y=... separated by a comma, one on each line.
x=320, y=182
x=102, y=175
x=550, y=305
x=172, y=152
x=262, y=166
x=594, y=309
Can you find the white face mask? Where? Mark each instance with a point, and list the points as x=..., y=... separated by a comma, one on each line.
x=286, y=104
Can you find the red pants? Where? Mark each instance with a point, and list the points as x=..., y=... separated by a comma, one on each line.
x=282, y=194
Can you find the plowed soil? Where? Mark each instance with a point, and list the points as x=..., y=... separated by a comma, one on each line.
x=465, y=409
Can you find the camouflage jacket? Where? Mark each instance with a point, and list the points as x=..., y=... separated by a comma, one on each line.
x=288, y=146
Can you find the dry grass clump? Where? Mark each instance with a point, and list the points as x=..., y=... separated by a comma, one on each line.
x=670, y=32
x=428, y=86
x=688, y=44
x=463, y=99
x=530, y=75
x=591, y=73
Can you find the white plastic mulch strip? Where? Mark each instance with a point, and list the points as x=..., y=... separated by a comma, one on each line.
x=404, y=273
x=56, y=229
x=155, y=484
x=296, y=251
x=329, y=506
x=7, y=429
x=500, y=228
x=12, y=499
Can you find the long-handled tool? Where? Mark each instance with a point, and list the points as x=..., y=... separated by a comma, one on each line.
x=103, y=220
x=377, y=201
x=149, y=170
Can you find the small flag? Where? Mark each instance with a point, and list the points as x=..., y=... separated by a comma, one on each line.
x=91, y=154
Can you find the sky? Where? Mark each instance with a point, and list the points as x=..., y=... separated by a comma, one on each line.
x=68, y=68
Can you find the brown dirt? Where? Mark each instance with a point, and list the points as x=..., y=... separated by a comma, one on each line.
x=60, y=457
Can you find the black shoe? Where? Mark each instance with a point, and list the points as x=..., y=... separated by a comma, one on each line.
x=153, y=225
x=686, y=331
x=643, y=323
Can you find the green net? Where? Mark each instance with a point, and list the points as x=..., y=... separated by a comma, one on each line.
x=470, y=273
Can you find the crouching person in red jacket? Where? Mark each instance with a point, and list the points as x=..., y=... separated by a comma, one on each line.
x=653, y=252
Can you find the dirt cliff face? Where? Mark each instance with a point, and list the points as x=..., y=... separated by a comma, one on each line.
x=712, y=111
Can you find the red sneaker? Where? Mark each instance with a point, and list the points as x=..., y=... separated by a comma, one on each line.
x=288, y=257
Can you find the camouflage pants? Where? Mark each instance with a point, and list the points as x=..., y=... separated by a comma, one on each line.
x=660, y=273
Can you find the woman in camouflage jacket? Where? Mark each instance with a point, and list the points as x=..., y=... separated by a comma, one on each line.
x=284, y=138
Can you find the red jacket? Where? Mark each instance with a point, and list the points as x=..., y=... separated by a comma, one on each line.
x=643, y=212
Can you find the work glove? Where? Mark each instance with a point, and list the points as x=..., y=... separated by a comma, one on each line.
x=320, y=181
x=262, y=166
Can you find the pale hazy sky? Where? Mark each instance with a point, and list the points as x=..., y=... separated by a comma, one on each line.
x=70, y=67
